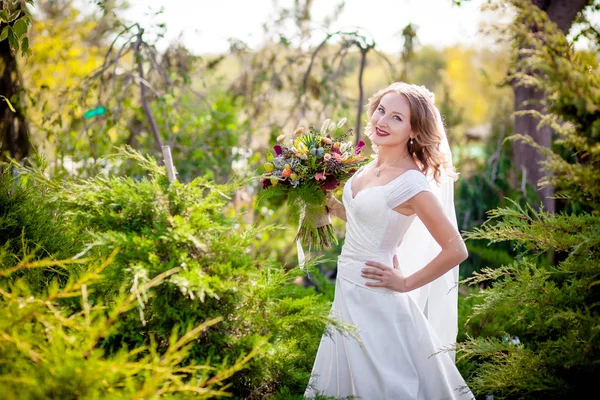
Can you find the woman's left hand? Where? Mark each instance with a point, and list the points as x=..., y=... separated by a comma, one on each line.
x=390, y=278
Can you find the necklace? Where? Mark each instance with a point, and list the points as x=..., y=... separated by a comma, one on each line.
x=379, y=169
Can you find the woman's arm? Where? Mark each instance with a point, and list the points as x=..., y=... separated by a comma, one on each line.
x=336, y=207
x=454, y=251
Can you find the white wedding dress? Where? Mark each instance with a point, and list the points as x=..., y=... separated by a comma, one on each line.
x=398, y=352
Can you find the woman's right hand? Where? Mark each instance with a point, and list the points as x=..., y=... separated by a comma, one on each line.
x=336, y=207
x=331, y=201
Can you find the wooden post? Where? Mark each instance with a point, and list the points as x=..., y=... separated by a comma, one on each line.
x=168, y=160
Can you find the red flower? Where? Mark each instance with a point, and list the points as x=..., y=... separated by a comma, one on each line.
x=278, y=150
x=320, y=176
x=330, y=183
x=265, y=183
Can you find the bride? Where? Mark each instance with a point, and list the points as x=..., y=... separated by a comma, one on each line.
x=398, y=269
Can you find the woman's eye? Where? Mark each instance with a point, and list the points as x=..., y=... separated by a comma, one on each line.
x=397, y=118
x=381, y=110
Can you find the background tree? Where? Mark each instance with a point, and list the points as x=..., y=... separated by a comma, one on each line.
x=14, y=132
x=526, y=159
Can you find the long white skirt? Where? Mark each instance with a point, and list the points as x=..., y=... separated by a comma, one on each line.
x=397, y=355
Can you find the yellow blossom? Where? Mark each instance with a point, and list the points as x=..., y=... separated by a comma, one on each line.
x=300, y=146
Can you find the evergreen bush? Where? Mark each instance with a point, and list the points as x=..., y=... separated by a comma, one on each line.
x=544, y=304
x=211, y=270
x=32, y=229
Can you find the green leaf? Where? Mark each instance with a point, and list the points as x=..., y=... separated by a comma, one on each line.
x=25, y=50
x=3, y=16
x=20, y=27
x=4, y=33
x=13, y=40
x=14, y=15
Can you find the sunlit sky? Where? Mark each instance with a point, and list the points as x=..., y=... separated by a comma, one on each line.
x=204, y=26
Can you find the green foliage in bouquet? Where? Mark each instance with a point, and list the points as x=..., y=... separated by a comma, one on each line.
x=544, y=304
x=269, y=327
x=303, y=170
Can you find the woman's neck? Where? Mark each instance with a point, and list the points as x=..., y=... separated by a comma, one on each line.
x=391, y=155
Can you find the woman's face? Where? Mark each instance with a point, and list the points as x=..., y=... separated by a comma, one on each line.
x=391, y=121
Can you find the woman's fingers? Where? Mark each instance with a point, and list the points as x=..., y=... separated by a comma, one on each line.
x=376, y=265
x=373, y=271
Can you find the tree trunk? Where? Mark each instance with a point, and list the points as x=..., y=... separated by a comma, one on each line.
x=14, y=132
x=526, y=158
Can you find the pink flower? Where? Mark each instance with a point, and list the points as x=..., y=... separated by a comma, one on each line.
x=320, y=176
x=327, y=157
x=338, y=156
x=359, y=147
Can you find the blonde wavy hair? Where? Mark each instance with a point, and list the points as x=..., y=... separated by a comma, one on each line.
x=427, y=125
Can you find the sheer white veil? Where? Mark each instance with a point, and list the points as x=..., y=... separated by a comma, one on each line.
x=439, y=299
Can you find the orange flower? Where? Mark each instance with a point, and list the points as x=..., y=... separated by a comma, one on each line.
x=353, y=159
x=286, y=173
x=299, y=131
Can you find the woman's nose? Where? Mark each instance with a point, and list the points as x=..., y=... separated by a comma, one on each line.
x=382, y=121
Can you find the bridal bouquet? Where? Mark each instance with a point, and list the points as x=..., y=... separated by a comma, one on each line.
x=304, y=167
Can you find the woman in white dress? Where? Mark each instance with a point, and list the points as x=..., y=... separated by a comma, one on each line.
x=397, y=272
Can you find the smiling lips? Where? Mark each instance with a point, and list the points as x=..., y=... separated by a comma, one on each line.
x=379, y=132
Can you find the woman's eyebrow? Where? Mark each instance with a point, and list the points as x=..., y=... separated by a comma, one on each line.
x=393, y=112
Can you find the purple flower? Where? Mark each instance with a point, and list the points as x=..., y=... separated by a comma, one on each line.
x=359, y=147
x=278, y=150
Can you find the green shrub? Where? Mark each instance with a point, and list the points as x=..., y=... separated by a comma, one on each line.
x=32, y=229
x=544, y=305
x=48, y=350
x=212, y=271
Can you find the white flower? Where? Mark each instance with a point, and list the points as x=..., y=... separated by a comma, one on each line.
x=324, y=127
